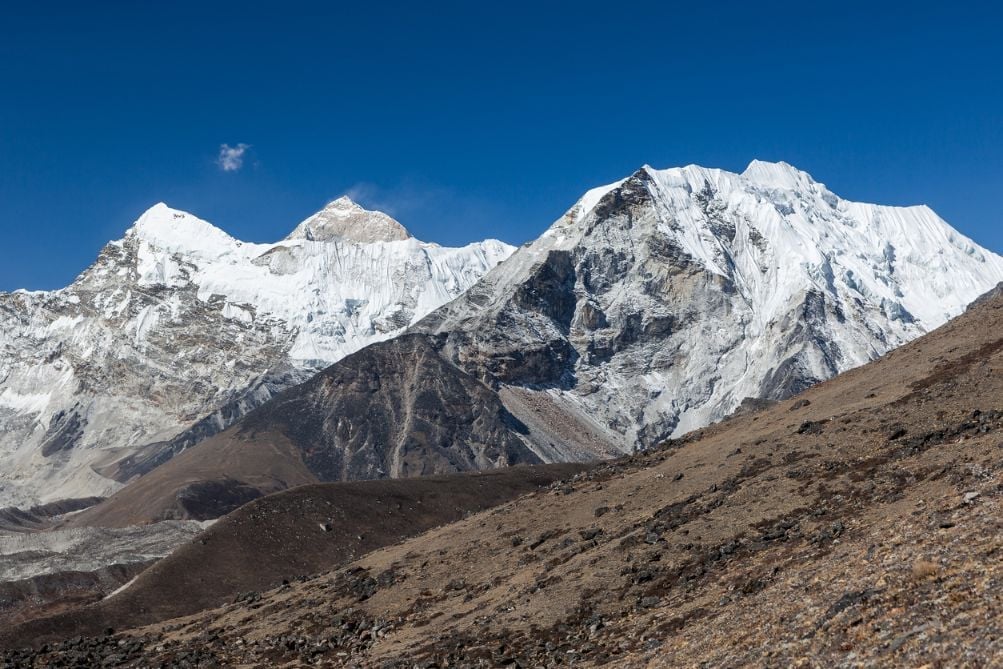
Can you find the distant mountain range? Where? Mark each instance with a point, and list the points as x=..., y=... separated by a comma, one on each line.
x=178, y=329
x=656, y=305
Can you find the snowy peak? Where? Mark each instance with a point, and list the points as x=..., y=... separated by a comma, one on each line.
x=178, y=231
x=779, y=175
x=773, y=231
x=658, y=303
x=344, y=220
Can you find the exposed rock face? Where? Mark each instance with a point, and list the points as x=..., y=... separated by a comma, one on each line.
x=343, y=220
x=394, y=410
x=178, y=330
x=658, y=304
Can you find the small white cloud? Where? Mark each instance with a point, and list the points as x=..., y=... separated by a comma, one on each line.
x=231, y=158
x=372, y=196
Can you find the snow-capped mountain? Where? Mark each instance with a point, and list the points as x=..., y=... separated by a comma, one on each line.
x=659, y=303
x=178, y=329
x=654, y=306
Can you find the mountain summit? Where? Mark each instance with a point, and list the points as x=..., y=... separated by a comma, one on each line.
x=173, y=230
x=344, y=220
x=659, y=303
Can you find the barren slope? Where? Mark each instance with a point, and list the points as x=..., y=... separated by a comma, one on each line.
x=377, y=414
x=858, y=523
x=288, y=536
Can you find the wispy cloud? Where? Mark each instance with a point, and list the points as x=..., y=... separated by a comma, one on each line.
x=433, y=212
x=372, y=196
x=231, y=158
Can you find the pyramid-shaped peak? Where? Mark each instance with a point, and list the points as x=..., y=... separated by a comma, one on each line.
x=345, y=220
x=160, y=213
x=343, y=202
x=777, y=175
x=169, y=228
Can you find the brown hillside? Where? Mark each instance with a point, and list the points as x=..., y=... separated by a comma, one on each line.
x=287, y=536
x=858, y=524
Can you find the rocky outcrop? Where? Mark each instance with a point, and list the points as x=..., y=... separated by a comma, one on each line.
x=658, y=304
x=395, y=409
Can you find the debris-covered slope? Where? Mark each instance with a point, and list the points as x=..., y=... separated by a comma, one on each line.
x=857, y=523
x=378, y=414
x=289, y=536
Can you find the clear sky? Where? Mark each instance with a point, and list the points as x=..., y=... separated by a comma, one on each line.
x=468, y=120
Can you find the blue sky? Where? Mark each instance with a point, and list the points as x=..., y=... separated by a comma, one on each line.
x=469, y=120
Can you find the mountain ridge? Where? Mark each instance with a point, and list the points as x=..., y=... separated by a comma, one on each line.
x=783, y=260
x=655, y=306
x=179, y=327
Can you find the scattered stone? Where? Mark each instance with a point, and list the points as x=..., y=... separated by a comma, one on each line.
x=897, y=433
x=549, y=534
x=925, y=569
x=810, y=427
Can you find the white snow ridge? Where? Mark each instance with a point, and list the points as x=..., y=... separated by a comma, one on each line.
x=178, y=324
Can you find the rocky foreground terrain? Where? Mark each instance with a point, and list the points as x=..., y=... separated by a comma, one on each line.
x=857, y=524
